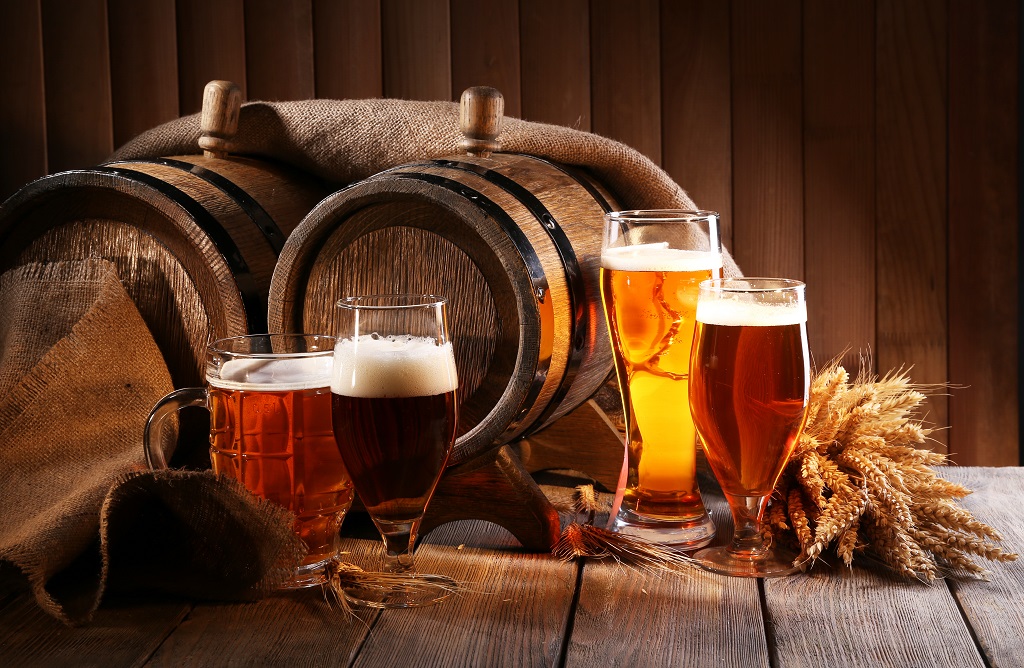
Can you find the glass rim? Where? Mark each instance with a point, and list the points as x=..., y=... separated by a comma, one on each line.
x=662, y=215
x=221, y=346
x=741, y=284
x=384, y=302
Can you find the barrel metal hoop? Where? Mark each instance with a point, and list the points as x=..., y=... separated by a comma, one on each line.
x=254, y=300
x=259, y=216
x=579, y=325
x=580, y=178
x=534, y=269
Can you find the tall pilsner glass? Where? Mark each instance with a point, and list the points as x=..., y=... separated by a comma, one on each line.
x=651, y=265
x=394, y=415
x=749, y=385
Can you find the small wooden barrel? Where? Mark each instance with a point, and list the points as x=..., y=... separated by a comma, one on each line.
x=194, y=239
x=512, y=241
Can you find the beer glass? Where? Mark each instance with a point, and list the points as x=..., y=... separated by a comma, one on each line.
x=651, y=265
x=394, y=411
x=269, y=400
x=749, y=385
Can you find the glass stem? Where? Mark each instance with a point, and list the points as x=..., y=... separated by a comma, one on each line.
x=747, y=539
x=399, y=542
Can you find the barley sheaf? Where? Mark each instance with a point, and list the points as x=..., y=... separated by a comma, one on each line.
x=857, y=481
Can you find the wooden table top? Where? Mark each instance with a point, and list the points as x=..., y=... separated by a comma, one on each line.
x=531, y=609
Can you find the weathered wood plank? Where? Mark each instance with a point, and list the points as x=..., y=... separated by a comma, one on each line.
x=79, y=123
x=211, y=45
x=910, y=103
x=767, y=139
x=23, y=110
x=416, y=48
x=514, y=614
x=983, y=231
x=279, y=49
x=555, y=54
x=301, y=627
x=485, y=49
x=123, y=632
x=625, y=73
x=993, y=608
x=693, y=619
x=346, y=45
x=839, y=180
x=696, y=102
x=143, y=65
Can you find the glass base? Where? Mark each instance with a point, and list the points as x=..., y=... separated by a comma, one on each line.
x=684, y=534
x=308, y=575
x=772, y=563
x=412, y=591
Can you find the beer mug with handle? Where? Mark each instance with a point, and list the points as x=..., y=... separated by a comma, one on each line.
x=269, y=400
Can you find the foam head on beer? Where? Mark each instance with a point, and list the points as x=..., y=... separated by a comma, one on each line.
x=372, y=366
x=658, y=257
x=738, y=311
x=278, y=375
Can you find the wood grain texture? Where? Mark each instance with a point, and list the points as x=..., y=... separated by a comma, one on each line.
x=911, y=110
x=767, y=128
x=416, y=47
x=992, y=607
x=555, y=56
x=346, y=49
x=143, y=65
x=211, y=45
x=696, y=104
x=626, y=74
x=279, y=49
x=983, y=233
x=485, y=49
x=79, y=121
x=118, y=635
x=23, y=111
x=839, y=180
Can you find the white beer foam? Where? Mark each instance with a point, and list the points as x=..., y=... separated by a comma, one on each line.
x=658, y=257
x=275, y=375
x=735, y=312
x=393, y=366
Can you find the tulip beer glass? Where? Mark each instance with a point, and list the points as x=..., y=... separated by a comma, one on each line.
x=651, y=265
x=394, y=410
x=749, y=386
x=269, y=399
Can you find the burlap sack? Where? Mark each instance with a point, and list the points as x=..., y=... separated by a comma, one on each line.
x=344, y=141
x=79, y=373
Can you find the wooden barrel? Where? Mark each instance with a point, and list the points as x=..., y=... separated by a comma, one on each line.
x=194, y=240
x=513, y=242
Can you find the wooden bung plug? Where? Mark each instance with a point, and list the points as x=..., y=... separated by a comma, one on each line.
x=480, y=111
x=222, y=101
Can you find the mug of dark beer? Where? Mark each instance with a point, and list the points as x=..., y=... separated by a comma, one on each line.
x=269, y=399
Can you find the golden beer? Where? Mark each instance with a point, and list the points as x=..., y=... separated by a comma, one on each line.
x=650, y=298
x=270, y=428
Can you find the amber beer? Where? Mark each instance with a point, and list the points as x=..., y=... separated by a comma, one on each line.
x=749, y=386
x=395, y=416
x=650, y=297
x=270, y=428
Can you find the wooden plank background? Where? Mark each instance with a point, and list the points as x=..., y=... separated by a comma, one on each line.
x=870, y=148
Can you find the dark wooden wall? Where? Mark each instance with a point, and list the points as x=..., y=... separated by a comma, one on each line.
x=868, y=147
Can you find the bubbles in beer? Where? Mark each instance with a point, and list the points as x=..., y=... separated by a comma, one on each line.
x=393, y=366
x=658, y=257
x=275, y=375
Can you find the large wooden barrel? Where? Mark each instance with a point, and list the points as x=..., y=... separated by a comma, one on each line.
x=194, y=238
x=512, y=241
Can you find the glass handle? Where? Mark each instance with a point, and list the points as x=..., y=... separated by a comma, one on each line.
x=156, y=423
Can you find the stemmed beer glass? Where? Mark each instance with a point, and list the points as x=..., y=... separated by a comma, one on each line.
x=749, y=386
x=394, y=413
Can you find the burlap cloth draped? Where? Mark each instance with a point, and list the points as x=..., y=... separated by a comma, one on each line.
x=79, y=373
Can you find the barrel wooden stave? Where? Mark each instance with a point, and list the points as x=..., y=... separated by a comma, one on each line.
x=424, y=228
